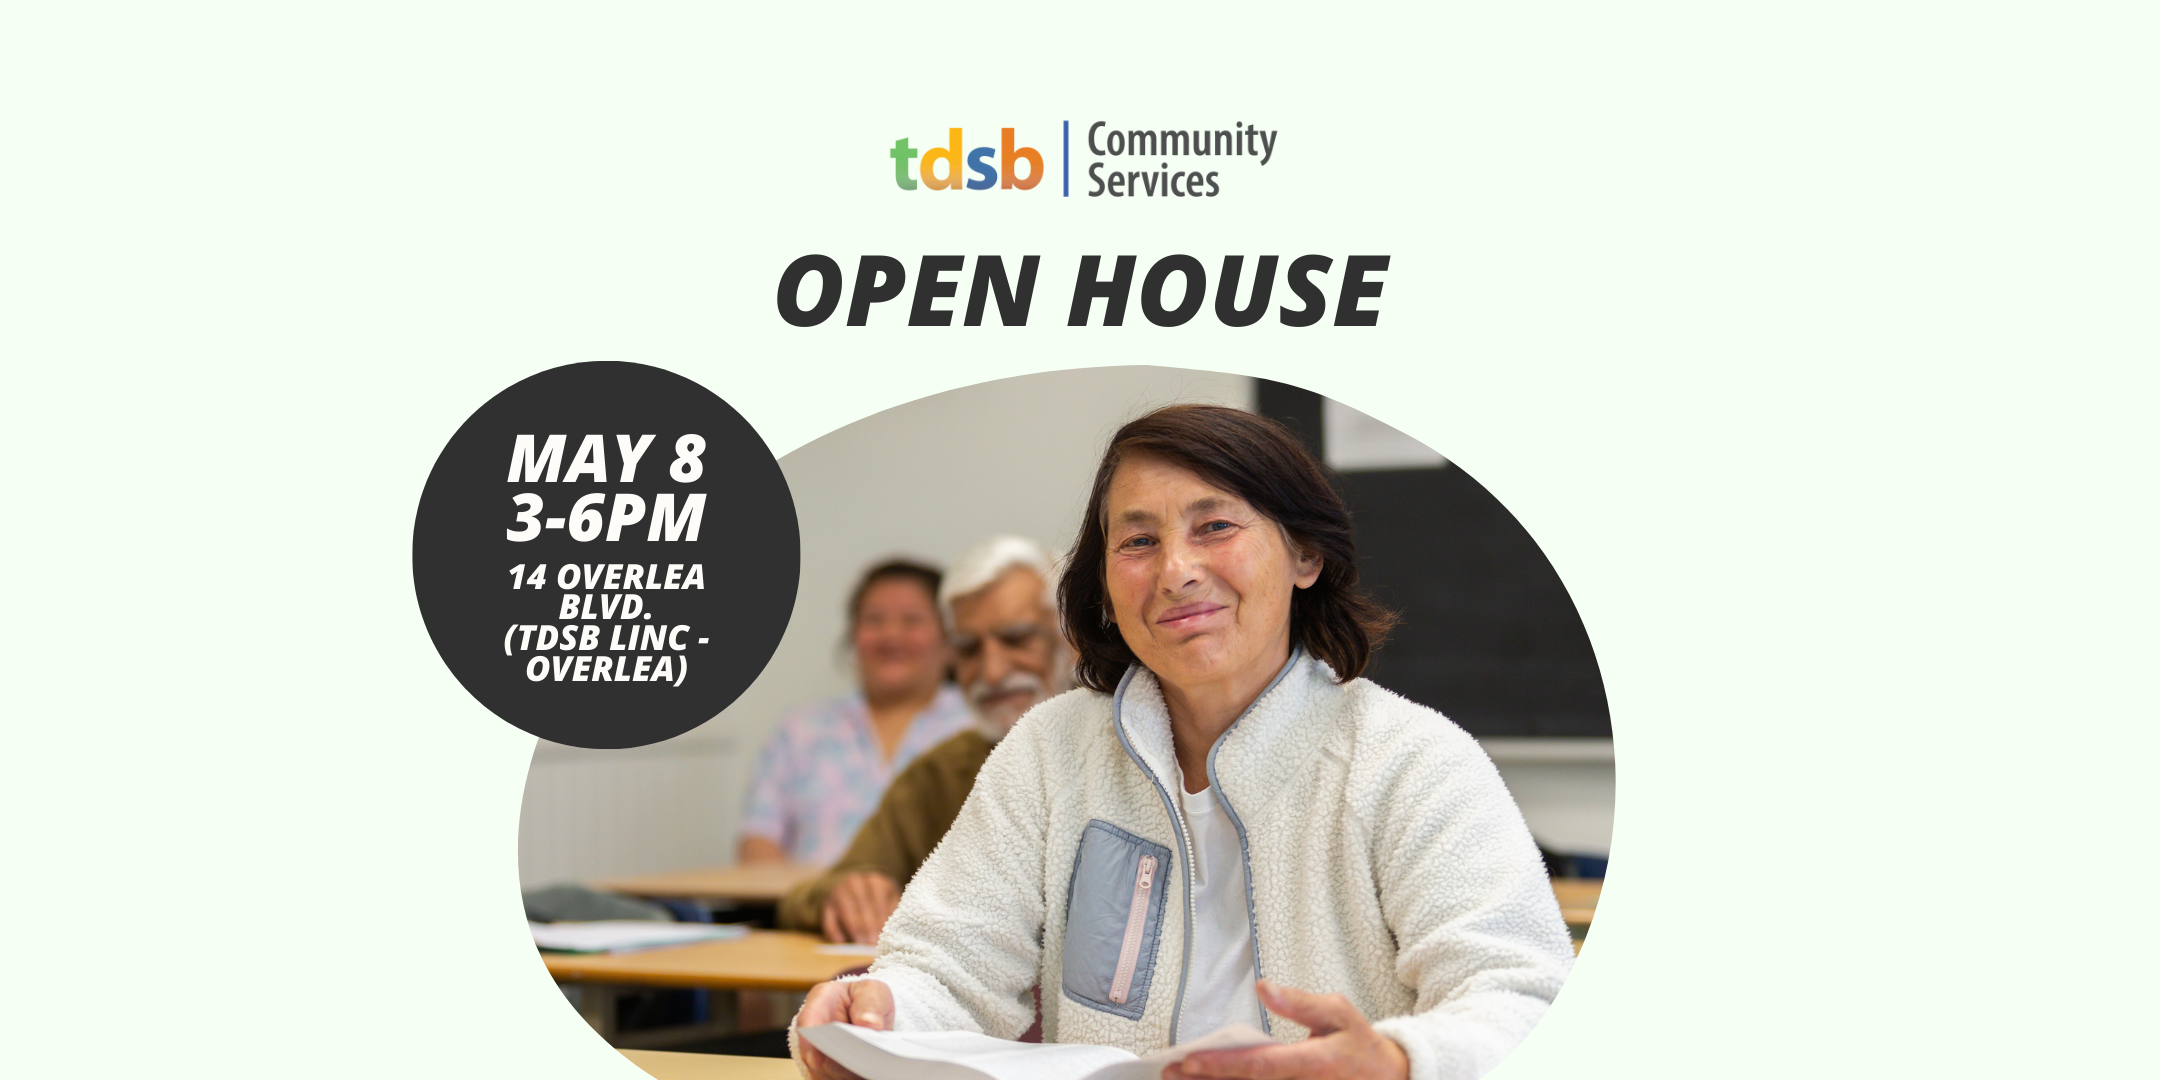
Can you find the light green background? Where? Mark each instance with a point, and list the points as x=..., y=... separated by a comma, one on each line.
x=1814, y=345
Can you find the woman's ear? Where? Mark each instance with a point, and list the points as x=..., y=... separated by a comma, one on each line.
x=1307, y=567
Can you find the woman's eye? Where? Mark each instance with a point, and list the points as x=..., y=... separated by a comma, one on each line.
x=1137, y=541
x=1215, y=526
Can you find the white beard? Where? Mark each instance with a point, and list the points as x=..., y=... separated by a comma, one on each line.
x=994, y=724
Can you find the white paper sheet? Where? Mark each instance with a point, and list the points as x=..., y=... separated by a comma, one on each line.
x=957, y=1055
x=626, y=935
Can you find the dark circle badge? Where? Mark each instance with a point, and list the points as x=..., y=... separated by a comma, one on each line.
x=606, y=555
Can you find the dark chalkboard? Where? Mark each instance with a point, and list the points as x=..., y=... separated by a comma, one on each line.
x=1489, y=636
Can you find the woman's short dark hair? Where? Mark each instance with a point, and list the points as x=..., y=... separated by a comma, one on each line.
x=893, y=570
x=1257, y=460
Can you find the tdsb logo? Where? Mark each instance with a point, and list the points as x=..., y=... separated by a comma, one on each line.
x=1138, y=160
x=1004, y=166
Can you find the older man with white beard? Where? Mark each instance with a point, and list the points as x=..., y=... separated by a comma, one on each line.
x=1000, y=605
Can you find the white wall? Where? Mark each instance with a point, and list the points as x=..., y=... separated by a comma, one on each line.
x=1565, y=788
x=928, y=478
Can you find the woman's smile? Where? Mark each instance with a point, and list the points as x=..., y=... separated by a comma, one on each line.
x=1189, y=616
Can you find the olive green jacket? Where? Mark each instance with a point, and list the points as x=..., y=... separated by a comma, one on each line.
x=910, y=820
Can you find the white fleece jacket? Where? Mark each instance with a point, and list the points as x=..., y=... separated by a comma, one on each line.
x=1385, y=862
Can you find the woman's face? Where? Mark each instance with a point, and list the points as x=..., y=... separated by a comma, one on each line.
x=1200, y=582
x=899, y=642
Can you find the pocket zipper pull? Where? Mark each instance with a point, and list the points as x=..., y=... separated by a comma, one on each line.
x=1135, y=922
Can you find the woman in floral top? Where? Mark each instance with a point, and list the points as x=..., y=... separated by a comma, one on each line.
x=825, y=766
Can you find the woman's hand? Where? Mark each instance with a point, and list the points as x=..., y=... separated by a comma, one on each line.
x=1343, y=1045
x=758, y=849
x=858, y=906
x=861, y=1002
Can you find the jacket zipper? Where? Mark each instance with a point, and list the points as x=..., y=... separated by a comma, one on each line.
x=1135, y=922
x=1252, y=915
x=1177, y=826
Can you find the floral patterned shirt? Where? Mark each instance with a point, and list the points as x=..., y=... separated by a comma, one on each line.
x=821, y=773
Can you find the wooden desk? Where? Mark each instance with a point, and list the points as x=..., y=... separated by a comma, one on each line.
x=763, y=883
x=661, y=1065
x=765, y=960
x=1578, y=898
x=787, y=961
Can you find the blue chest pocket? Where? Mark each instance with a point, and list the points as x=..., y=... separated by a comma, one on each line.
x=1113, y=919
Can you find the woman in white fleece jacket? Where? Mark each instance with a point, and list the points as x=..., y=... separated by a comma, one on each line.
x=1228, y=825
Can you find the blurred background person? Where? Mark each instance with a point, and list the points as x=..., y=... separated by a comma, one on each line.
x=827, y=763
x=1000, y=601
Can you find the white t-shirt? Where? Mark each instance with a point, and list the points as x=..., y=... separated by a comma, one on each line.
x=1219, y=990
